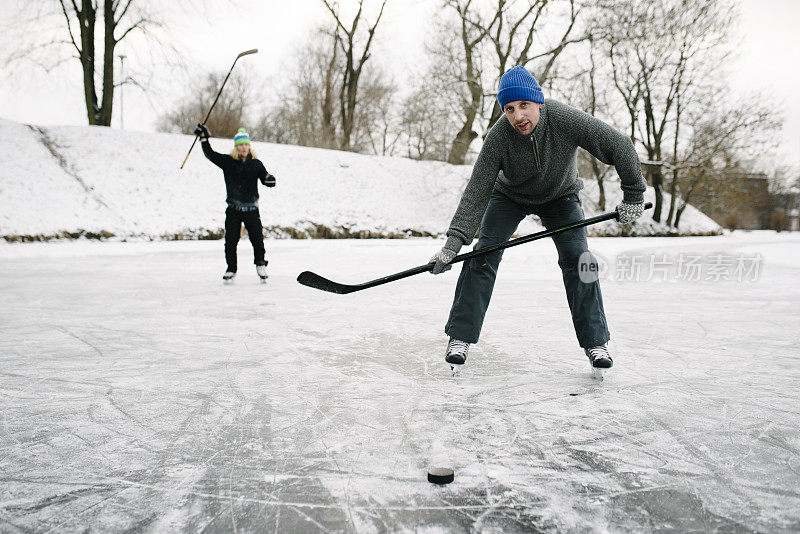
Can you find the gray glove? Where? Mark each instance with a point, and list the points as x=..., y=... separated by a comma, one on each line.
x=630, y=211
x=442, y=259
x=446, y=255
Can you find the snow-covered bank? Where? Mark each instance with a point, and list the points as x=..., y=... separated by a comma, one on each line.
x=100, y=182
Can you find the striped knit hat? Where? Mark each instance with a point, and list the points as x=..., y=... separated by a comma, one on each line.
x=241, y=137
x=518, y=84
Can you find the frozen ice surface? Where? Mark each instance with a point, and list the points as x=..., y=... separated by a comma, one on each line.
x=138, y=393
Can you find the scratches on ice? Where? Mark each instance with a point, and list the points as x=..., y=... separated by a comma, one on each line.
x=183, y=405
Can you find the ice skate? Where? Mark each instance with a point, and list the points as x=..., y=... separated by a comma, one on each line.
x=228, y=277
x=262, y=273
x=456, y=354
x=600, y=360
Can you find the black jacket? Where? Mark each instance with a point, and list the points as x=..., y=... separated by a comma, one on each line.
x=240, y=176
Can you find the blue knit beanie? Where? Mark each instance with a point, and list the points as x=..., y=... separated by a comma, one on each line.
x=241, y=137
x=518, y=84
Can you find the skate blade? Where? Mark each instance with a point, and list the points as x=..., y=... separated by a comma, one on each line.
x=598, y=373
x=264, y=280
x=456, y=368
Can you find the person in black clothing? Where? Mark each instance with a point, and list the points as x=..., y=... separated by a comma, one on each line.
x=241, y=170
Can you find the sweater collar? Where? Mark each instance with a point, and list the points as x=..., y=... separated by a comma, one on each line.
x=541, y=126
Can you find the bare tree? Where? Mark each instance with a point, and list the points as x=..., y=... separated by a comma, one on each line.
x=93, y=30
x=55, y=35
x=230, y=113
x=449, y=90
x=519, y=32
x=593, y=104
x=506, y=32
x=349, y=40
x=376, y=119
x=459, y=67
x=425, y=135
x=719, y=144
x=653, y=46
x=309, y=112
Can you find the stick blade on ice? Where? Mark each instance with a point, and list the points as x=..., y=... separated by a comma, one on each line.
x=313, y=280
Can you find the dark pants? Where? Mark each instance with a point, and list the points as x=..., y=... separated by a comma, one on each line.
x=233, y=228
x=476, y=282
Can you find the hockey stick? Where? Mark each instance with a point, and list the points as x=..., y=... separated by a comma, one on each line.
x=245, y=53
x=307, y=278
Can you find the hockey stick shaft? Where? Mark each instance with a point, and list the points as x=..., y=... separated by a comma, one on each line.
x=316, y=281
x=245, y=53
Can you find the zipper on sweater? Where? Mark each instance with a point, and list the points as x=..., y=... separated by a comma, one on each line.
x=536, y=156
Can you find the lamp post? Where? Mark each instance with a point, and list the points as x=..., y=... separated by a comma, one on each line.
x=121, y=86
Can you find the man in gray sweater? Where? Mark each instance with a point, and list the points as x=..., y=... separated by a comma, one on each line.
x=527, y=165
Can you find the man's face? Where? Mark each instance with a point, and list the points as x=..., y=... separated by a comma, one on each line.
x=244, y=150
x=523, y=115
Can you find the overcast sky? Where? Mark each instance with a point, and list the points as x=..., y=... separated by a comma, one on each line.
x=769, y=60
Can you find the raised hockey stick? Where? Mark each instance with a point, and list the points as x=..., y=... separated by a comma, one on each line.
x=307, y=278
x=245, y=53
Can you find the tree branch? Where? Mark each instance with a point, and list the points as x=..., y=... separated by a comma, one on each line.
x=138, y=24
x=69, y=26
x=124, y=10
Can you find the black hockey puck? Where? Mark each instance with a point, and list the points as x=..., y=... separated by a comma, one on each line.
x=440, y=475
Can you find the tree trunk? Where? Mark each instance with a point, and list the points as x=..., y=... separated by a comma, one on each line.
x=348, y=92
x=601, y=200
x=345, y=100
x=657, y=177
x=466, y=135
x=673, y=191
x=86, y=20
x=679, y=211
x=348, y=121
x=687, y=196
x=107, y=106
x=652, y=141
x=496, y=114
x=328, y=128
x=678, y=214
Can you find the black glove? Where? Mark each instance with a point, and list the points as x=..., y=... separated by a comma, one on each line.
x=202, y=132
x=269, y=181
